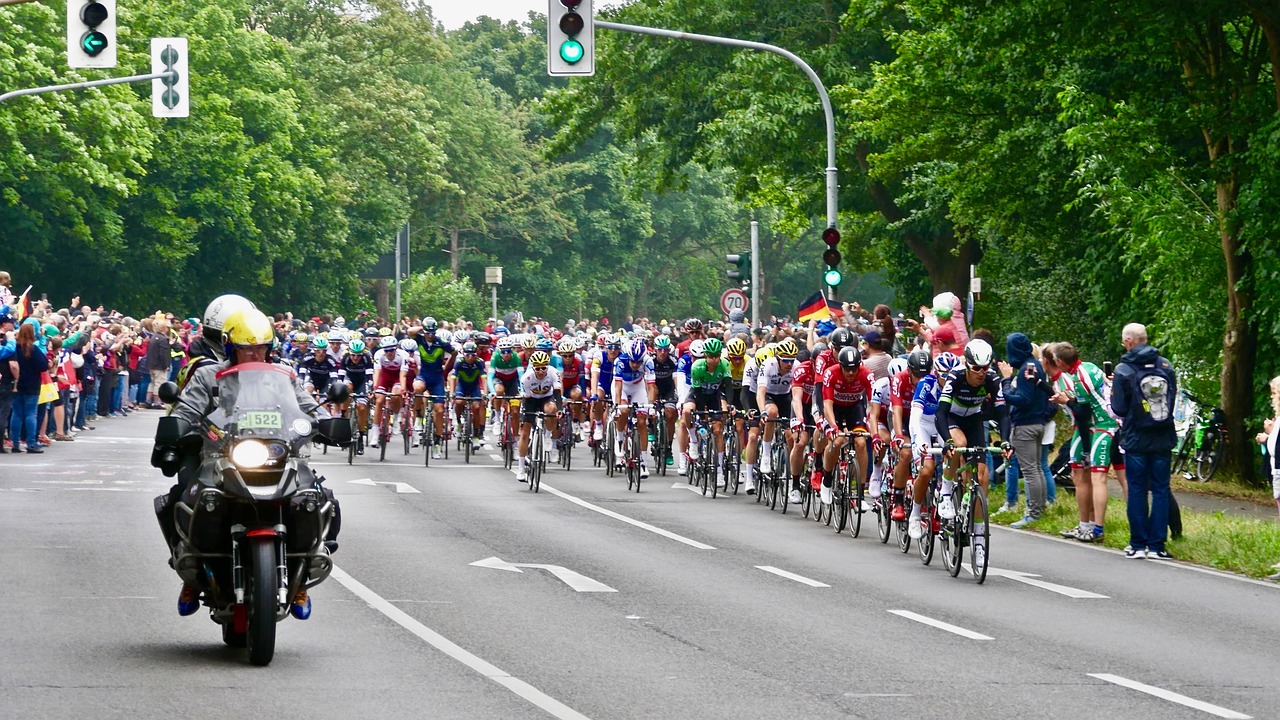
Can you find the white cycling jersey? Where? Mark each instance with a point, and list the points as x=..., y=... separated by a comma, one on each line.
x=391, y=359
x=775, y=380
x=532, y=386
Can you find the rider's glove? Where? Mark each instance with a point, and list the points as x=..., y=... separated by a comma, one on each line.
x=796, y=423
x=950, y=446
x=1005, y=447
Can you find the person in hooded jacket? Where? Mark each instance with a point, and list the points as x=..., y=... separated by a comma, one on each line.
x=1028, y=398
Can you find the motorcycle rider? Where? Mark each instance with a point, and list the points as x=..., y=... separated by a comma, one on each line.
x=247, y=337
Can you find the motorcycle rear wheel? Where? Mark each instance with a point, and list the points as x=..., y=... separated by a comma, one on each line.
x=260, y=596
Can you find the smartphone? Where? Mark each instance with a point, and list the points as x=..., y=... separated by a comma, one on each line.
x=44, y=297
x=1107, y=368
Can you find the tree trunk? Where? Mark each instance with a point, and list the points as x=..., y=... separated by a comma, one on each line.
x=1269, y=20
x=382, y=297
x=455, y=253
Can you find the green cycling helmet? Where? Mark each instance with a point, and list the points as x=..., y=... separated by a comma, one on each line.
x=319, y=344
x=662, y=342
x=357, y=346
x=713, y=346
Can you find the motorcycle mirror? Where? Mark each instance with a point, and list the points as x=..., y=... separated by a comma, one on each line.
x=168, y=392
x=338, y=392
x=335, y=431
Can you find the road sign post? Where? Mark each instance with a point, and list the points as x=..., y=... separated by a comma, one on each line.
x=493, y=278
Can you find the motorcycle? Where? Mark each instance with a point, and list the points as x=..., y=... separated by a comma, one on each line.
x=249, y=530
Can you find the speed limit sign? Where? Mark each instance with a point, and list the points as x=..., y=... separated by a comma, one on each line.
x=733, y=299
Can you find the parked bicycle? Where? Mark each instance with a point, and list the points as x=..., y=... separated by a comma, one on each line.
x=1201, y=441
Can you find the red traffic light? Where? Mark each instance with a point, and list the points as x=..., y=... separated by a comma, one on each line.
x=831, y=236
x=571, y=23
x=571, y=4
x=831, y=257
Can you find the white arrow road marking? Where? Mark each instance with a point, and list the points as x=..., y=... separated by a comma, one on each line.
x=791, y=576
x=1029, y=579
x=404, y=488
x=686, y=486
x=1171, y=696
x=577, y=581
x=496, y=456
x=940, y=625
x=535, y=696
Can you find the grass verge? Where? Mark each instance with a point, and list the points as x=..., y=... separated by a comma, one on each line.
x=1243, y=545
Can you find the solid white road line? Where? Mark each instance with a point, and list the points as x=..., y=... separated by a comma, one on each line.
x=940, y=625
x=1171, y=696
x=630, y=521
x=453, y=650
x=791, y=576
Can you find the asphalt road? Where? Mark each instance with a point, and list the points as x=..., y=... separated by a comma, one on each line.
x=662, y=612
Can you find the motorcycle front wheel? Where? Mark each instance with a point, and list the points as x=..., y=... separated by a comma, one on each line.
x=260, y=595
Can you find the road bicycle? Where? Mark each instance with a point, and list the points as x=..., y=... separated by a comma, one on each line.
x=704, y=468
x=539, y=455
x=466, y=432
x=359, y=435
x=732, y=455
x=661, y=442
x=427, y=435
x=971, y=504
x=631, y=448
x=506, y=436
x=809, y=499
x=1201, y=441
x=567, y=439
x=882, y=506
x=384, y=425
x=848, y=486
x=776, y=471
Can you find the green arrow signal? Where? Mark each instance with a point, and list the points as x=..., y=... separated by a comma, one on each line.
x=93, y=43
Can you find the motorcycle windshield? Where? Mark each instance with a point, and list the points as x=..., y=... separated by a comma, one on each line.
x=258, y=400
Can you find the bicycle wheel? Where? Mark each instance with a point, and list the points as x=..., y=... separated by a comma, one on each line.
x=610, y=442
x=428, y=435
x=536, y=461
x=806, y=497
x=978, y=509
x=883, y=506
x=952, y=539
x=384, y=435
x=856, y=498
x=840, y=496
x=1209, y=456
x=732, y=459
x=929, y=517
x=1182, y=451
x=902, y=526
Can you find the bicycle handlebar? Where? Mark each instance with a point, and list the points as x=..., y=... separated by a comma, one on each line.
x=968, y=450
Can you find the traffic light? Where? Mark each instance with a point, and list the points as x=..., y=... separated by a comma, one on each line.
x=171, y=96
x=742, y=265
x=91, y=33
x=570, y=38
x=831, y=257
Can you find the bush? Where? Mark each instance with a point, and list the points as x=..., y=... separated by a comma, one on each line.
x=435, y=293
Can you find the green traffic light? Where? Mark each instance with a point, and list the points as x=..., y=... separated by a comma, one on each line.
x=832, y=277
x=571, y=51
x=93, y=43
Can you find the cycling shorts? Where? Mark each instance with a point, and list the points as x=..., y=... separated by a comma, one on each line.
x=668, y=395
x=741, y=399
x=510, y=386
x=1076, y=451
x=461, y=392
x=703, y=402
x=850, y=417
x=924, y=437
x=634, y=394
x=529, y=407
x=974, y=429
x=1100, y=450
x=433, y=385
x=783, y=402
x=387, y=382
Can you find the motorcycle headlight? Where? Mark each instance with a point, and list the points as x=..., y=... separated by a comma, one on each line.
x=250, y=454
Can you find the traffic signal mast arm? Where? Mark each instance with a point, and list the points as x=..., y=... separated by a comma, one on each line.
x=86, y=84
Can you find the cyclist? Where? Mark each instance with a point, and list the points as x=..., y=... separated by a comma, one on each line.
x=802, y=424
x=540, y=389
x=823, y=361
x=902, y=387
x=356, y=369
x=573, y=378
x=434, y=356
x=773, y=396
x=684, y=387
x=467, y=382
x=846, y=390
x=709, y=387
x=923, y=427
x=602, y=368
x=634, y=385
x=881, y=402
x=968, y=394
x=390, y=374
x=299, y=348
x=742, y=397
x=694, y=331
x=664, y=374
x=318, y=369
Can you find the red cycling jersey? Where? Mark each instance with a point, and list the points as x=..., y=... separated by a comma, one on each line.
x=802, y=377
x=845, y=392
x=902, y=387
x=571, y=373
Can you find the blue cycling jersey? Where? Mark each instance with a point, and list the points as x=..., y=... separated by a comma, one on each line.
x=433, y=356
x=685, y=366
x=623, y=371
x=927, y=393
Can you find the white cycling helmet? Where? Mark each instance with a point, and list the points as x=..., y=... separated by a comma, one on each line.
x=445, y=336
x=896, y=366
x=409, y=345
x=695, y=349
x=387, y=341
x=978, y=353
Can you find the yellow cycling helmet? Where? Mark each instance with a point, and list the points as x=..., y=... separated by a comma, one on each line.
x=323, y=336
x=540, y=359
x=301, y=338
x=384, y=331
x=787, y=350
x=529, y=342
x=736, y=348
x=763, y=354
x=248, y=327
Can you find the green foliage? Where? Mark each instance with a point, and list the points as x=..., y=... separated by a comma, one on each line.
x=436, y=293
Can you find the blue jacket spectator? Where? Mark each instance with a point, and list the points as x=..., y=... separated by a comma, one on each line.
x=1027, y=395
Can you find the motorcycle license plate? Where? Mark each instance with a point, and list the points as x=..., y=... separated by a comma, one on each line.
x=260, y=420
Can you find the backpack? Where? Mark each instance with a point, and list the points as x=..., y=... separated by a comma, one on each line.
x=1153, y=406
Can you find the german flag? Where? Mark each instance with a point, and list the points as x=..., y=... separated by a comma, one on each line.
x=24, y=304
x=813, y=308
x=835, y=308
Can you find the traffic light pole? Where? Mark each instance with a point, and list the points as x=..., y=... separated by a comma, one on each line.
x=82, y=85
x=832, y=182
x=755, y=274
